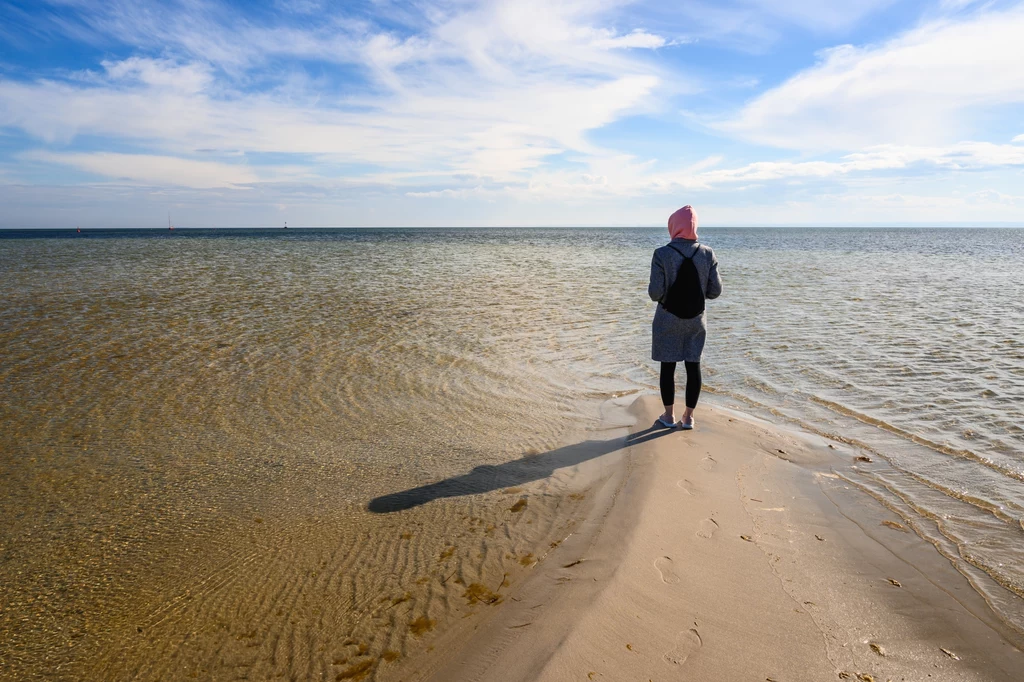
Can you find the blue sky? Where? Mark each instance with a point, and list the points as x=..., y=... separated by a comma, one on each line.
x=757, y=112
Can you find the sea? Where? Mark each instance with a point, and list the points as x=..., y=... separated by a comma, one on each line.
x=250, y=453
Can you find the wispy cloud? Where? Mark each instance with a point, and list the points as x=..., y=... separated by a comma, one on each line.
x=625, y=178
x=961, y=156
x=153, y=170
x=918, y=88
x=502, y=132
x=487, y=90
x=513, y=104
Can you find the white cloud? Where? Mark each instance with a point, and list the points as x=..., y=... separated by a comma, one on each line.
x=622, y=177
x=491, y=90
x=962, y=156
x=636, y=39
x=162, y=74
x=327, y=204
x=991, y=196
x=859, y=208
x=203, y=30
x=153, y=170
x=453, y=193
x=481, y=32
x=498, y=131
x=919, y=88
x=497, y=101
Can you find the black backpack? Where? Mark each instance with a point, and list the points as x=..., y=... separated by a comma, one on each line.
x=685, y=298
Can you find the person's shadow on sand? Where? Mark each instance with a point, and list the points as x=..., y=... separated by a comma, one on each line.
x=487, y=477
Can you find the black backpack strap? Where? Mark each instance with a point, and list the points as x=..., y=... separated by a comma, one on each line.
x=685, y=257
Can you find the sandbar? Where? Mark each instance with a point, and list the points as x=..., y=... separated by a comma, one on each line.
x=736, y=551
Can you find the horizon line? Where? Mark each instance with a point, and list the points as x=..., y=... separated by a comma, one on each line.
x=985, y=225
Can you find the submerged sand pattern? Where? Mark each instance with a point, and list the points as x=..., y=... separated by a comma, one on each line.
x=255, y=454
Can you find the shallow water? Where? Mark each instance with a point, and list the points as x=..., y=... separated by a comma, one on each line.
x=196, y=422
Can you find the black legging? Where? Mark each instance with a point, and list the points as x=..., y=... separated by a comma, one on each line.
x=668, y=383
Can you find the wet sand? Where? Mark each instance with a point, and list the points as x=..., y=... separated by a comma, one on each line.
x=733, y=552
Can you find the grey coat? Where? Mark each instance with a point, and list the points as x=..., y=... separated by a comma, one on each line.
x=675, y=339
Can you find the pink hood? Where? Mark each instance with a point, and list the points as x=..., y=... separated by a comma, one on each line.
x=683, y=223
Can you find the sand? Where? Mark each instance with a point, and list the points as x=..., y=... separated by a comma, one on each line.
x=733, y=552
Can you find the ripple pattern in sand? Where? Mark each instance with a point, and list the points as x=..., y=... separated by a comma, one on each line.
x=194, y=425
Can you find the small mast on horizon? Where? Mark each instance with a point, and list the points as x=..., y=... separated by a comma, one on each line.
x=169, y=225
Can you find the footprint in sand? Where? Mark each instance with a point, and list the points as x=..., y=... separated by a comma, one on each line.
x=664, y=566
x=687, y=644
x=708, y=463
x=685, y=486
x=707, y=528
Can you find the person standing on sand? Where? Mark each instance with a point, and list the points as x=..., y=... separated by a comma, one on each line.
x=683, y=274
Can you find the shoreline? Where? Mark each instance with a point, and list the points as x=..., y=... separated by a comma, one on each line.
x=729, y=552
